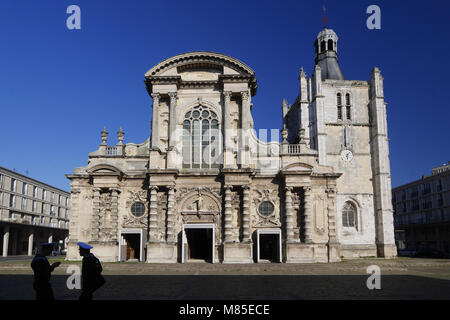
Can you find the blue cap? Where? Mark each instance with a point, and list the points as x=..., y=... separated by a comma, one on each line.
x=46, y=244
x=84, y=245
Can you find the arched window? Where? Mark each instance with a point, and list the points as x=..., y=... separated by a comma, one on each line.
x=339, y=106
x=330, y=45
x=349, y=215
x=201, y=139
x=322, y=47
x=348, y=107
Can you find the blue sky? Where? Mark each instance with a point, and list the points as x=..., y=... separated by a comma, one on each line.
x=58, y=87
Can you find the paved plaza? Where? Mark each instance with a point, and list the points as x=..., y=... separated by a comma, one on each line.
x=401, y=278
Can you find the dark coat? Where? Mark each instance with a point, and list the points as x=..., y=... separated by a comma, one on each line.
x=91, y=273
x=42, y=273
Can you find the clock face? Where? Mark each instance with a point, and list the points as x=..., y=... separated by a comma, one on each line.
x=347, y=155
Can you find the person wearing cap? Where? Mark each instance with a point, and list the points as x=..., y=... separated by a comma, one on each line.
x=91, y=278
x=42, y=272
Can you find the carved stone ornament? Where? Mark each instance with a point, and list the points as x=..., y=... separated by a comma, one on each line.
x=130, y=221
x=107, y=234
x=200, y=204
x=136, y=196
x=134, y=222
x=320, y=213
x=273, y=220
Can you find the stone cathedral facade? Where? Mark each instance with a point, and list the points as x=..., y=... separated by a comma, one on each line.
x=204, y=187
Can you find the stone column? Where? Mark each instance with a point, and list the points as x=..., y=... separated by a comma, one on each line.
x=172, y=119
x=30, y=242
x=245, y=128
x=155, y=122
x=331, y=215
x=308, y=214
x=228, y=215
x=246, y=214
x=227, y=150
x=171, y=232
x=304, y=106
x=333, y=244
x=95, y=223
x=289, y=214
x=153, y=226
x=5, y=240
x=114, y=212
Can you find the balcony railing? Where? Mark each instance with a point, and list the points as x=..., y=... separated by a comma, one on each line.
x=293, y=149
x=112, y=151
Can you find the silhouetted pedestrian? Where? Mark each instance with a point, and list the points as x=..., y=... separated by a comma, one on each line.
x=42, y=272
x=91, y=277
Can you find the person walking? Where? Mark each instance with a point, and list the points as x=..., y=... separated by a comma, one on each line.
x=91, y=277
x=42, y=272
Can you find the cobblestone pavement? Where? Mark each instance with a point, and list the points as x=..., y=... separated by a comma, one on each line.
x=402, y=278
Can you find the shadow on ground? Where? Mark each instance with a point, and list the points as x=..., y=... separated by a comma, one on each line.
x=193, y=287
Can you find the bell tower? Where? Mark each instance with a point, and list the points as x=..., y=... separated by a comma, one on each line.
x=326, y=55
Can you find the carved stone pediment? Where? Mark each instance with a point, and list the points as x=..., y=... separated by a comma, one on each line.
x=134, y=222
x=210, y=217
x=198, y=201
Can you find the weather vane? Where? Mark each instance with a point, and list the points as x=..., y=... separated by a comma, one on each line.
x=324, y=18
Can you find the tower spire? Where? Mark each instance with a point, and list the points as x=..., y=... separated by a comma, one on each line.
x=324, y=17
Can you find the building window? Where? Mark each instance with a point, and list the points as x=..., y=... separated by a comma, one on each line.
x=266, y=208
x=52, y=210
x=440, y=200
x=349, y=217
x=439, y=186
x=59, y=199
x=1, y=181
x=34, y=206
x=42, y=207
x=24, y=188
x=339, y=106
x=330, y=45
x=138, y=209
x=322, y=46
x=23, y=205
x=52, y=197
x=12, y=201
x=34, y=192
x=201, y=139
x=348, y=107
x=415, y=205
x=44, y=194
x=13, y=184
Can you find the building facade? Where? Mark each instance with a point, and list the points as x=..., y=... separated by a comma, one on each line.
x=31, y=212
x=205, y=187
x=422, y=212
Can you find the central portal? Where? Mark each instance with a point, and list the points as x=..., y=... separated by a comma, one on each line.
x=198, y=243
x=269, y=245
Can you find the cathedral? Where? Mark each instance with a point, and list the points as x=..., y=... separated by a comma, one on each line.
x=204, y=187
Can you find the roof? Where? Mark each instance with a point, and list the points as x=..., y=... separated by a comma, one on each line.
x=198, y=57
